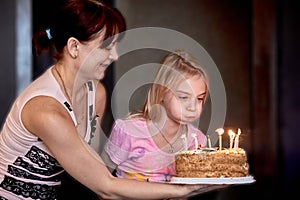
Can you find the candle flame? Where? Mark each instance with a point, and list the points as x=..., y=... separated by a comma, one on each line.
x=239, y=131
x=231, y=136
x=231, y=133
x=236, y=141
x=220, y=131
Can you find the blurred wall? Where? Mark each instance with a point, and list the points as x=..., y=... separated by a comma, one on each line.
x=7, y=57
x=288, y=95
x=16, y=68
x=222, y=28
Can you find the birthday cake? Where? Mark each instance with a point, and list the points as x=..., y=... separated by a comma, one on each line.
x=212, y=163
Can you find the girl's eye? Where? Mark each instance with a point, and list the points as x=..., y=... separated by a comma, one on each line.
x=200, y=99
x=182, y=97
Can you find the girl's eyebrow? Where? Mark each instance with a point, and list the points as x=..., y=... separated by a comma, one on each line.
x=204, y=93
x=188, y=93
x=183, y=92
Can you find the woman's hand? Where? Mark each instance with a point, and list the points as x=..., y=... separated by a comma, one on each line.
x=201, y=188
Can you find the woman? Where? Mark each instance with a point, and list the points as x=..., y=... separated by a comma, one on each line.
x=52, y=122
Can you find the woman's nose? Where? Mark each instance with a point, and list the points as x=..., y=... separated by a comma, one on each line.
x=113, y=54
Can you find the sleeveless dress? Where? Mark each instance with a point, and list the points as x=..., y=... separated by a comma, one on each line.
x=28, y=170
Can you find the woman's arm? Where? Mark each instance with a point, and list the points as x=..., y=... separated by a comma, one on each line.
x=48, y=120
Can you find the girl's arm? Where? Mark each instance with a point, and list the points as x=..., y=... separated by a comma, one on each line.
x=111, y=166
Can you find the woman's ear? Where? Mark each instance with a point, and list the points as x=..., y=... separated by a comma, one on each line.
x=72, y=47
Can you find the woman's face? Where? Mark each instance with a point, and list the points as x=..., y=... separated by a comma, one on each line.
x=95, y=59
x=184, y=103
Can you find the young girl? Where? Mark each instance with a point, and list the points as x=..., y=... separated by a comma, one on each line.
x=143, y=145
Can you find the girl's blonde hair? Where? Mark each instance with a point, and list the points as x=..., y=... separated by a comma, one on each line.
x=174, y=68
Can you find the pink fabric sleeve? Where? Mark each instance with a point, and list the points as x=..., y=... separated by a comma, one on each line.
x=118, y=144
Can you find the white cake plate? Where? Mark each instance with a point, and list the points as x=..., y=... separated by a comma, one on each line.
x=230, y=180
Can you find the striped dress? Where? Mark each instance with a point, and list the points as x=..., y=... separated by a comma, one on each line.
x=28, y=170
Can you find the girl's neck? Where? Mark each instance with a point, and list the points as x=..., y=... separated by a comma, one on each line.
x=169, y=130
x=167, y=136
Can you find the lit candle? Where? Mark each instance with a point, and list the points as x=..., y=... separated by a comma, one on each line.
x=236, y=140
x=231, y=137
x=184, y=141
x=220, y=132
x=196, y=140
x=209, y=141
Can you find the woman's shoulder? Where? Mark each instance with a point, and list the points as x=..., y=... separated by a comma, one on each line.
x=44, y=105
x=44, y=85
x=41, y=109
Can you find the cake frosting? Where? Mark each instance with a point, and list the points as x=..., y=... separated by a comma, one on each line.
x=212, y=163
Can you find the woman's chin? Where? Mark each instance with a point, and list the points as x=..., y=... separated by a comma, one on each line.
x=101, y=77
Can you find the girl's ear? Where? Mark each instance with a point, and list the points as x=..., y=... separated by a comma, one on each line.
x=72, y=47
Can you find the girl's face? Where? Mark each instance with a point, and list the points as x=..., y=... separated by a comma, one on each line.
x=184, y=104
x=95, y=59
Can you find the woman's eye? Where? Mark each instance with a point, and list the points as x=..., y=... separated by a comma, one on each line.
x=108, y=48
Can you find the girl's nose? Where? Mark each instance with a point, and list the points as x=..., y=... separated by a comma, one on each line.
x=192, y=105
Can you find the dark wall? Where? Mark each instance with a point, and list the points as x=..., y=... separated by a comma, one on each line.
x=289, y=93
x=7, y=57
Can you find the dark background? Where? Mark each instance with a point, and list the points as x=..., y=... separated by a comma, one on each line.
x=262, y=35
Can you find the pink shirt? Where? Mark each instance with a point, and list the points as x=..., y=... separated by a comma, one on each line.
x=132, y=148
